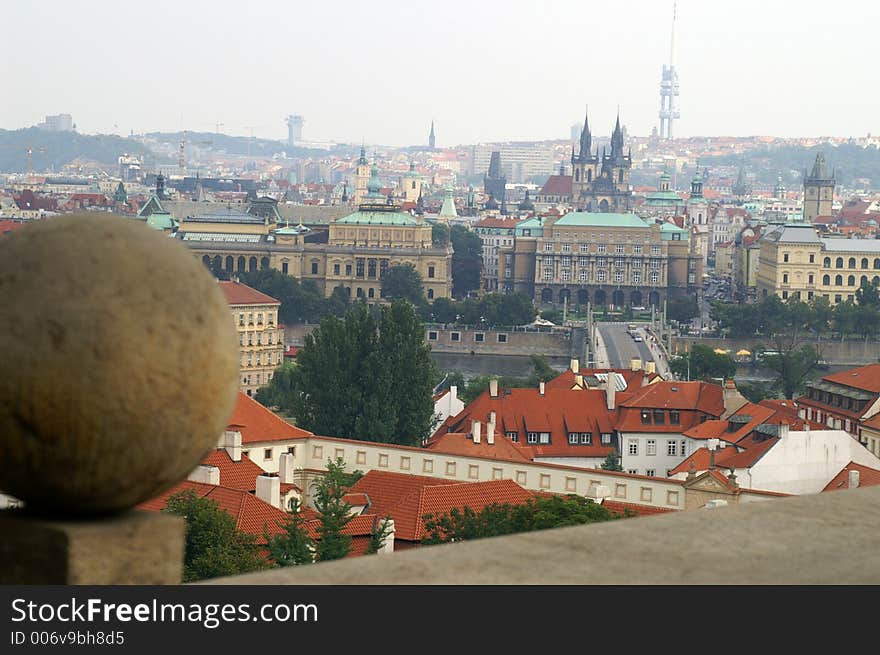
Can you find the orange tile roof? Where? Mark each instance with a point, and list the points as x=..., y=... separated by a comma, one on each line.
x=873, y=422
x=386, y=489
x=868, y=477
x=442, y=499
x=258, y=424
x=240, y=475
x=241, y=294
x=641, y=510
x=500, y=222
x=557, y=185
x=866, y=378
x=250, y=513
x=558, y=411
x=458, y=443
x=670, y=394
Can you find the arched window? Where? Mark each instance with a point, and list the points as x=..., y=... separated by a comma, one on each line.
x=852, y=262
x=876, y=264
x=230, y=263
x=264, y=263
x=252, y=264
x=838, y=280
x=826, y=279
x=864, y=262
x=241, y=265
x=430, y=294
x=839, y=262
x=851, y=281
x=826, y=262
x=371, y=292
x=206, y=260
x=863, y=280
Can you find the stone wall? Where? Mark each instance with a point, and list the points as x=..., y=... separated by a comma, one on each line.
x=836, y=353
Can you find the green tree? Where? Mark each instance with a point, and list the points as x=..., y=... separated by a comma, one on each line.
x=280, y=390
x=334, y=513
x=292, y=547
x=439, y=235
x=445, y=310
x=214, y=547
x=381, y=531
x=499, y=519
x=793, y=368
x=867, y=295
x=702, y=363
x=756, y=391
x=367, y=378
x=403, y=282
x=612, y=462
x=682, y=309
x=467, y=260
x=541, y=371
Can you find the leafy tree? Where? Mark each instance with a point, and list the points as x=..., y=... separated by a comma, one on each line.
x=552, y=315
x=499, y=519
x=444, y=310
x=756, y=391
x=403, y=282
x=213, y=546
x=682, y=309
x=467, y=260
x=280, y=390
x=292, y=547
x=381, y=532
x=541, y=371
x=366, y=378
x=612, y=462
x=334, y=513
x=793, y=368
x=439, y=235
x=702, y=363
x=867, y=295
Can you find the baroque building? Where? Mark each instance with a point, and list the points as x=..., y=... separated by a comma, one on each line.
x=601, y=183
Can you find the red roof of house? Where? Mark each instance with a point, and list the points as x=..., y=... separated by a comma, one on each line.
x=868, y=477
x=235, y=475
x=385, y=489
x=10, y=226
x=458, y=443
x=692, y=399
x=241, y=294
x=441, y=499
x=873, y=422
x=496, y=221
x=633, y=379
x=641, y=510
x=292, y=351
x=257, y=423
x=866, y=378
x=558, y=412
x=556, y=185
x=250, y=513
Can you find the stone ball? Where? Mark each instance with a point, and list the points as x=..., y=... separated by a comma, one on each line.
x=119, y=366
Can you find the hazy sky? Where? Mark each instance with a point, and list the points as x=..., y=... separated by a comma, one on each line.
x=380, y=70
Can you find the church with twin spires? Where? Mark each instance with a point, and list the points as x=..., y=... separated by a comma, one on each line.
x=600, y=183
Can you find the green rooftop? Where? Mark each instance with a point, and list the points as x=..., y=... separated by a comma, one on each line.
x=596, y=219
x=378, y=218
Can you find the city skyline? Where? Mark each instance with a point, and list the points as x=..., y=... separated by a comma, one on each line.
x=753, y=72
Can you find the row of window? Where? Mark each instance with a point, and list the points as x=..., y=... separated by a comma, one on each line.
x=602, y=276
x=601, y=248
x=604, y=262
x=269, y=338
x=836, y=400
x=479, y=337
x=673, y=448
x=262, y=359
x=270, y=318
x=658, y=416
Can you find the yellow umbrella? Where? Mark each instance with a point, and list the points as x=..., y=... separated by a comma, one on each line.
x=743, y=353
x=721, y=351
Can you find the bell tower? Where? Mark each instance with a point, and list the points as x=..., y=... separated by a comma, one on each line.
x=818, y=190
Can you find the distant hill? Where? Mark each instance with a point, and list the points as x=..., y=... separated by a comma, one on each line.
x=851, y=162
x=53, y=150
x=235, y=145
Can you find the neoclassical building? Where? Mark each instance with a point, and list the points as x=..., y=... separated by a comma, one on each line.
x=601, y=258
x=352, y=253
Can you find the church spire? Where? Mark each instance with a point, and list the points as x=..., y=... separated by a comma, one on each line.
x=586, y=138
x=432, y=141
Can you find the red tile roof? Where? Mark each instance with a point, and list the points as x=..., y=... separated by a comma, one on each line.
x=866, y=378
x=7, y=226
x=525, y=410
x=641, y=510
x=458, y=443
x=250, y=513
x=500, y=222
x=873, y=422
x=241, y=294
x=257, y=423
x=693, y=400
x=386, y=489
x=868, y=477
x=240, y=475
x=556, y=185
x=443, y=498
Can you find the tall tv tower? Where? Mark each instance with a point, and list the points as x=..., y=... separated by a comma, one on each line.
x=669, y=89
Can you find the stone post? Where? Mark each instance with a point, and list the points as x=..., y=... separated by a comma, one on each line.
x=119, y=371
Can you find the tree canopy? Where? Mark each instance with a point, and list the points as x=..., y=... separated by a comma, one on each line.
x=467, y=260
x=702, y=363
x=301, y=302
x=334, y=513
x=214, y=547
x=403, y=282
x=491, y=309
x=368, y=375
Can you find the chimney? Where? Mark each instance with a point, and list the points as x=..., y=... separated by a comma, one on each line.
x=388, y=545
x=269, y=489
x=731, y=478
x=453, y=394
x=575, y=366
x=231, y=441
x=490, y=429
x=493, y=388
x=650, y=367
x=713, y=446
x=541, y=387
x=611, y=390
x=635, y=364
x=853, y=479
x=579, y=380
x=285, y=468
x=475, y=430
x=783, y=430
x=205, y=474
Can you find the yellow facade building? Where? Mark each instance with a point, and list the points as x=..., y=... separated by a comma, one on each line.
x=353, y=253
x=260, y=337
x=795, y=262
